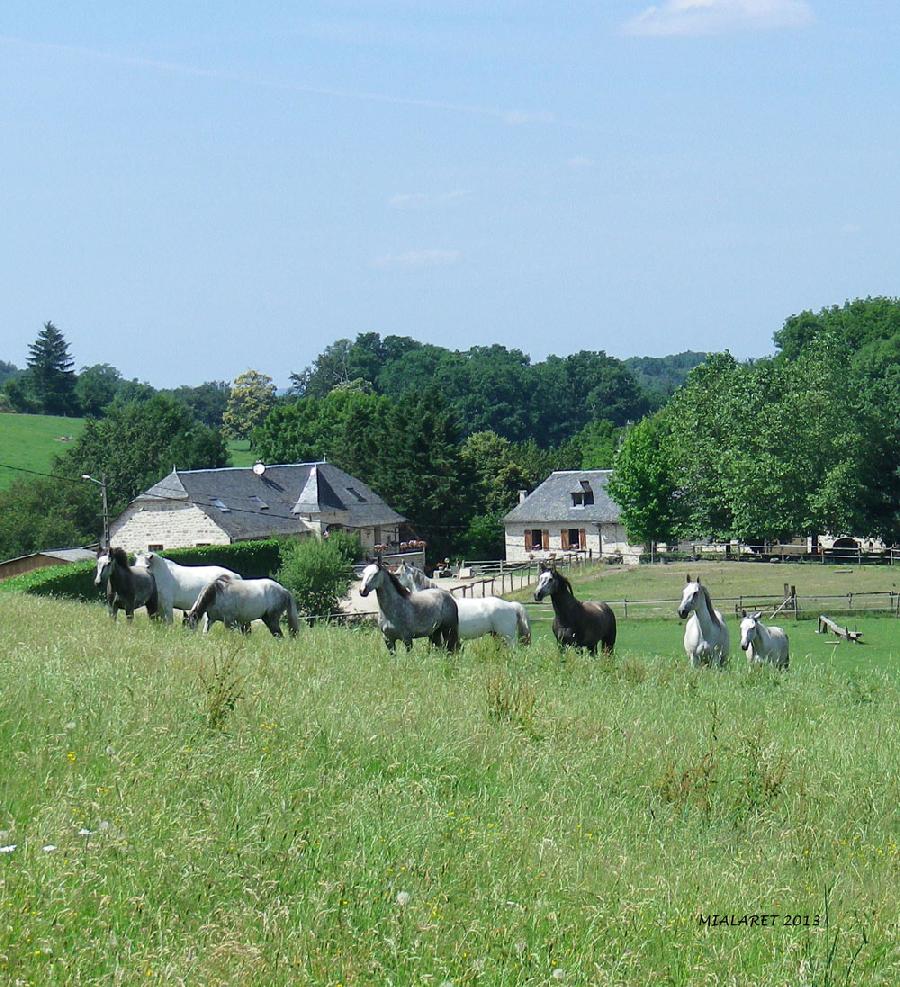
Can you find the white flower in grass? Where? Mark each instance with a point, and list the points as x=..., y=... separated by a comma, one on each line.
x=402, y=898
x=85, y=832
x=559, y=974
x=49, y=848
x=8, y=849
x=104, y=826
x=70, y=725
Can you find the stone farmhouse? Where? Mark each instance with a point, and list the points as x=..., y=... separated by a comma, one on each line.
x=221, y=506
x=569, y=512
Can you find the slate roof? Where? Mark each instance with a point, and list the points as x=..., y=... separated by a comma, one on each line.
x=552, y=499
x=274, y=503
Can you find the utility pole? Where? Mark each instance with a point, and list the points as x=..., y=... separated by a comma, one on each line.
x=101, y=483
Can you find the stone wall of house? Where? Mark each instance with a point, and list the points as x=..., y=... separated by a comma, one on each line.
x=172, y=525
x=609, y=539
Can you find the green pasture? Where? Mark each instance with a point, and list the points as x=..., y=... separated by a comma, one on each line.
x=240, y=453
x=33, y=441
x=242, y=810
x=729, y=579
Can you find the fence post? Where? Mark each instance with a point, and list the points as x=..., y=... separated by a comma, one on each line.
x=626, y=608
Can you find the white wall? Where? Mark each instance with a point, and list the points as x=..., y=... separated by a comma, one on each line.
x=610, y=539
x=172, y=525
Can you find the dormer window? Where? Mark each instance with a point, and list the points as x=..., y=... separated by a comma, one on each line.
x=259, y=503
x=356, y=494
x=583, y=497
x=221, y=505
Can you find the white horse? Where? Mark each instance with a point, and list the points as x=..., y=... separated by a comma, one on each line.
x=761, y=643
x=706, y=639
x=477, y=617
x=237, y=602
x=178, y=586
x=404, y=615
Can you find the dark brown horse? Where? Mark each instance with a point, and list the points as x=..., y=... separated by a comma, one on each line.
x=576, y=624
x=127, y=587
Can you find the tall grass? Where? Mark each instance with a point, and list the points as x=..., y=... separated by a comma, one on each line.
x=316, y=811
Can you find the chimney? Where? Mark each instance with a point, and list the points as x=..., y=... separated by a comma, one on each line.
x=522, y=495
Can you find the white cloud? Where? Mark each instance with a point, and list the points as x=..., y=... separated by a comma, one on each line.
x=416, y=260
x=407, y=200
x=517, y=118
x=418, y=200
x=686, y=18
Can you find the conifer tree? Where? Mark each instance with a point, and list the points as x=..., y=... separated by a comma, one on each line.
x=51, y=372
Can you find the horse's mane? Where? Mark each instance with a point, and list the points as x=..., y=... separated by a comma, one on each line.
x=709, y=605
x=566, y=585
x=118, y=556
x=401, y=589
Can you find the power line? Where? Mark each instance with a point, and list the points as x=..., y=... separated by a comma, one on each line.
x=50, y=476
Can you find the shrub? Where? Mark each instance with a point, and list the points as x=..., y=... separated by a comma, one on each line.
x=317, y=573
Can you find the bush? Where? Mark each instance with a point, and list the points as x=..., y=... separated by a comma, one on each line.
x=70, y=582
x=318, y=574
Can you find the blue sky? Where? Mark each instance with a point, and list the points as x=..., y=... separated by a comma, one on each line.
x=191, y=190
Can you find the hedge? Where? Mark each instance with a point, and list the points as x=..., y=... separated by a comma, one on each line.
x=252, y=559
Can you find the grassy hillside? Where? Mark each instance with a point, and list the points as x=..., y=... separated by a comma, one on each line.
x=32, y=441
x=229, y=809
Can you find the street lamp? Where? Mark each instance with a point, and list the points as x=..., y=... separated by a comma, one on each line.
x=101, y=483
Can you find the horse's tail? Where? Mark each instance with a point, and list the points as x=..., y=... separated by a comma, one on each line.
x=522, y=625
x=608, y=642
x=204, y=601
x=451, y=629
x=293, y=622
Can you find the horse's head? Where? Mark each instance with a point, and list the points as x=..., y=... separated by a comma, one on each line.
x=406, y=576
x=548, y=582
x=749, y=628
x=689, y=597
x=190, y=620
x=372, y=578
x=103, y=564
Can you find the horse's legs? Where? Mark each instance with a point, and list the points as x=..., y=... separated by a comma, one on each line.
x=408, y=642
x=273, y=622
x=391, y=643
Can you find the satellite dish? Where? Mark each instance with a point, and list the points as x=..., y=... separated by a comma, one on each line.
x=259, y=468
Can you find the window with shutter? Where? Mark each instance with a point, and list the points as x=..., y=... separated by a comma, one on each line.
x=545, y=539
x=564, y=539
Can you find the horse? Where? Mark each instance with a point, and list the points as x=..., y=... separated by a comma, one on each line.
x=761, y=643
x=236, y=602
x=404, y=615
x=179, y=586
x=706, y=640
x=576, y=624
x=488, y=615
x=127, y=587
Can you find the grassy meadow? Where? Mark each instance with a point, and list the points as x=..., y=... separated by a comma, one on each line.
x=241, y=810
x=33, y=441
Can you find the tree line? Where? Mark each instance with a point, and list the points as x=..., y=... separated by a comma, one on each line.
x=803, y=443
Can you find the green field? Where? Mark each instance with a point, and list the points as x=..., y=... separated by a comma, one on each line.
x=488, y=818
x=33, y=441
x=239, y=450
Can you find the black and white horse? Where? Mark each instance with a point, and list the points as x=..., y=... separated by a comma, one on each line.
x=127, y=587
